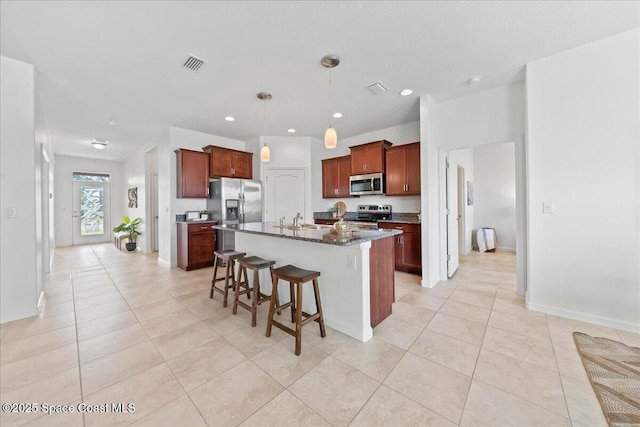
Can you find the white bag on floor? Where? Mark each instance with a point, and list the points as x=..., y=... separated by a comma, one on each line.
x=486, y=238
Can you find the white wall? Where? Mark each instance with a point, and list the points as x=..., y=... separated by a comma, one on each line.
x=63, y=193
x=584, y=156
x=494, y=187
x=398, y=135
x=20, y=274
x=289, y=152
x=465, y=159
x=495, y=115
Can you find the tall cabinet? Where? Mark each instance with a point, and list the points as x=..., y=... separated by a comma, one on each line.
x=403, y=170
x=335, y=177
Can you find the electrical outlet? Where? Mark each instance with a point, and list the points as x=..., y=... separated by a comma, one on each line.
x=548, y=208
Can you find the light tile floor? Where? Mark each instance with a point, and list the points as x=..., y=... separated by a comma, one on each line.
x=118, y=328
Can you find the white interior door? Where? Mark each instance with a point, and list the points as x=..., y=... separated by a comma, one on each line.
x=453, y=260
x=91, y=212
x=284, y=194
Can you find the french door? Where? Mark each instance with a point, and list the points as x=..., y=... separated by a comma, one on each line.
x=91, y=212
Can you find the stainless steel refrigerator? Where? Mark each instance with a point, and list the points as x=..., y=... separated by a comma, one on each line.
x=234, y=201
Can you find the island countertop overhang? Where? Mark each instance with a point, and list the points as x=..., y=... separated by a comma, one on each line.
x=322, y=236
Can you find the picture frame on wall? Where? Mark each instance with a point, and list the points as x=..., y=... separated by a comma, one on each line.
x=469, y=193
x=133, y=197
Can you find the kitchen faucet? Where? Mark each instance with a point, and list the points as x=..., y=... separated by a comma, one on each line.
x=282, y=221
x=296, y=219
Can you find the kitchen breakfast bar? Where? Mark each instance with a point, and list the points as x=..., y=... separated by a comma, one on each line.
x=357, y=269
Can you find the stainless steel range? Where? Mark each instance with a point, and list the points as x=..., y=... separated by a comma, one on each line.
x=369, y=215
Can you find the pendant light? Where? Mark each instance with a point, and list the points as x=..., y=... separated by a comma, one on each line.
x=265, y=153
x=330, y=136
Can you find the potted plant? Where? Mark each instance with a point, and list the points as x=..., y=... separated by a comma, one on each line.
x=334, y=211
x=129, y=226
x=204, y=214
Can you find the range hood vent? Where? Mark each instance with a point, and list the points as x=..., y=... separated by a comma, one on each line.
x=193, y=63
x=377, y=88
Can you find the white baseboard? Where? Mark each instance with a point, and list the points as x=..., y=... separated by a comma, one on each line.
x=363, y=336
x=501, y=248
x=585, y=317
x=163, y=263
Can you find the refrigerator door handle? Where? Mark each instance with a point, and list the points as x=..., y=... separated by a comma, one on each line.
x=242, y=208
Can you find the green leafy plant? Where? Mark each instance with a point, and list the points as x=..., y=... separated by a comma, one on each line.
x=204, y=212
x=129, y=226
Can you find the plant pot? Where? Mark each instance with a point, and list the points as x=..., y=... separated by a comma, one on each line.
x=131, y=246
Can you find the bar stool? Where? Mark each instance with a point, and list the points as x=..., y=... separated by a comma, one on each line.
x=297, y=276
x=228, y=256
x=256, y=264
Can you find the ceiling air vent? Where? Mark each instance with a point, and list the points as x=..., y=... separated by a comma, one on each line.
x=193, y=63
x=377, y=88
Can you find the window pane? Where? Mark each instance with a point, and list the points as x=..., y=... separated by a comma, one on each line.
x=91, y=210
x=91, y=177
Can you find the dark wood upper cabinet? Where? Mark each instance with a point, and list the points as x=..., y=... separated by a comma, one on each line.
x=229, y=163
x=193, y=174
x=368, y=158
x=403, y=170
x=335, y=177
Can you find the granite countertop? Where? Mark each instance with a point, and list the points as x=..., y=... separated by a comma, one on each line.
x=401, y=218
x=322, y=235
x=198, y=221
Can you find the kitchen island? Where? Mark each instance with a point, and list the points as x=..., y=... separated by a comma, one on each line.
x=357, y=270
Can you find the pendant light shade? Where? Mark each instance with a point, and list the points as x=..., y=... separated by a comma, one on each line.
x=330, y=136
x=265, y=153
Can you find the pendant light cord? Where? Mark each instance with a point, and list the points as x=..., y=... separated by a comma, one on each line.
x=264, y=104
x=330, y=100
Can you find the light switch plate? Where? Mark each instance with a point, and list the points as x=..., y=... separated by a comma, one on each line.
x=548, y=208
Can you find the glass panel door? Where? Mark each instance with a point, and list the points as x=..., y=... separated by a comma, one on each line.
x=91, y=212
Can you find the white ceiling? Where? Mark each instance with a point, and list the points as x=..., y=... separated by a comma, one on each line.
x=97, y=61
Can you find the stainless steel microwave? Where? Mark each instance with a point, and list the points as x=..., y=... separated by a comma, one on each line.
x=364, y=185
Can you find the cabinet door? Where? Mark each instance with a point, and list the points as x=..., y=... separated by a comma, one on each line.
x=395, y=175
x=242, y=164
x=325, y=221
x=344, y=171
x=193, y=174
x=201, y=247
x=220, y=162
x=374, y=158
x=358, y=159
x=413, y=168
x=329, y=178
x=411, y=253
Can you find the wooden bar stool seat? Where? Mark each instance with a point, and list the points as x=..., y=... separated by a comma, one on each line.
x=296, y=278
x=255, y=264
x=228, y=256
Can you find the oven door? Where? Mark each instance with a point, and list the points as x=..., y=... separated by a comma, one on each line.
x=362, y=185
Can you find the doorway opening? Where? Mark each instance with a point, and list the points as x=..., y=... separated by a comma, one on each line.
x=152, y=211
x=484, y=188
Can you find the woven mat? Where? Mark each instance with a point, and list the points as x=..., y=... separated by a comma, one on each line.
x=614, y=371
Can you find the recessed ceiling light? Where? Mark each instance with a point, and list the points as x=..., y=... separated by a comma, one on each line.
x=406, y=92
x=337, y=115
x=229, y=118
x=99, y=145
x=474, y=79
x=112, y=122
x=291, y=130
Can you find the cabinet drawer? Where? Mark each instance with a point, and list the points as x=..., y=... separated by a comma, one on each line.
x=406, y=228
x=325, y=221
x=199, y=227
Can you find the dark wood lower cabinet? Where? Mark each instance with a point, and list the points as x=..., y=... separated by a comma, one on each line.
x=196, y=245
x=382, y=282
x=408, y=246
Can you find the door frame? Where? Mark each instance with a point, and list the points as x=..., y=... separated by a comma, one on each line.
x=462, y=211
x=151, y=196
x=522, y=230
